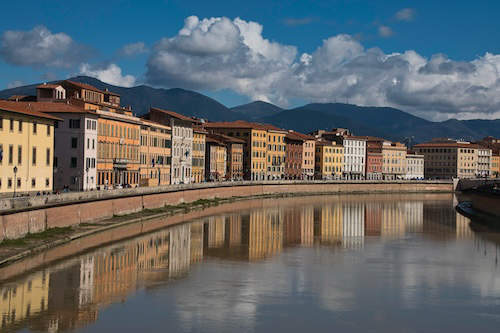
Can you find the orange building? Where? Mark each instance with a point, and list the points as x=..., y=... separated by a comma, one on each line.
x=155, y=154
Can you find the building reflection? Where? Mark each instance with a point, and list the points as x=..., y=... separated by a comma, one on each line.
x=71, y=294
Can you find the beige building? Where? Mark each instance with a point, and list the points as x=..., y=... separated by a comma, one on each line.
x=26, y=149
x=199, y=137
x=276, y=152
x=446, y=159
x=329, y=160
x=393, y=160
x=155, y=154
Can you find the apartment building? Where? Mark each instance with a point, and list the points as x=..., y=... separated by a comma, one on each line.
x=493, y=144
x=182, y=142
x=446, y=159
x=254, y=149
x=414, y=166
x=374, y=158
x=26, y=149
x=495, y=165
x=294, y=158
x=216, y=159
x=276, y=152
x=155, y=154
x=354, y=166
x=234, y=160
x=329, y=160
x=308, y=152
x=483, y=162
x=393, y=160
x=199, y=138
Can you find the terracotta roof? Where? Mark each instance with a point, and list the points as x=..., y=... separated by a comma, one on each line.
x=152, y=123
x=225, y=138
x=199, y=129
x=327, y=143
x=82, y=86
x=210, y=139
x=298, y=136
x=174, y=115
x=48, y=86
x=20, y=98
x=26, y=108
x=446, y=145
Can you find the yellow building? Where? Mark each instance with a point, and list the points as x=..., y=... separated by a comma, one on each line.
x=329, y=160
x=495, y=166
x=254, y=149
x=393, y=160
x=155, y=154
x=276, y=153
x=26, y=149
x=24, y=299
x=198, y=168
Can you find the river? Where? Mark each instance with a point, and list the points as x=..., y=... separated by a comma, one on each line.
x=349, y=263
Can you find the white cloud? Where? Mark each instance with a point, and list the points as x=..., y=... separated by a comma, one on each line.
x=133, y=49
x=111, y=74
x=15, y=84
x=385, y=31
x=406, y=14
x=219, y=53
x=40, y=47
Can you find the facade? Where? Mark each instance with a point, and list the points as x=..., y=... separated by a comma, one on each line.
x=254, y=149
x=276, y=153
x=155, y=154
x=354, y=166
x=294, y=158
x=483, y=162
x=199, y=137
x=182, y=142
x=446, y=159
x=26, y=149
x=495, y=165
x=215, y=163
x=234, y=159
x=374, y=158
x=329, y=160
x=393, y=160
x=414, y=166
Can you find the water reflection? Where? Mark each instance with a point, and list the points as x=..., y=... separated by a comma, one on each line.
x=73, y=293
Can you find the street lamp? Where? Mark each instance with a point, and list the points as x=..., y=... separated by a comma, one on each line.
x=15, y=180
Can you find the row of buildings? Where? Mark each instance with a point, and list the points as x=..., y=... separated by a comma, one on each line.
x=73, y=136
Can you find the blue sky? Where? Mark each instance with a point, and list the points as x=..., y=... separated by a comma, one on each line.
x=463, y=31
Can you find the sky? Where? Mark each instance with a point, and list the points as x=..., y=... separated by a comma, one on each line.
x=435, y=59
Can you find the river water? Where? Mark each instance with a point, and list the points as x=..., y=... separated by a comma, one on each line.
x=360, y=263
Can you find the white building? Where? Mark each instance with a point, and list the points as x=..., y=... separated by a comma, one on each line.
x=75, y=143
x=182, y=143
x=483, y=162
x=414, y=166
x=354, y=157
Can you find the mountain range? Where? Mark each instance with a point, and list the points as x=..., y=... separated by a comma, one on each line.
x=385, y=122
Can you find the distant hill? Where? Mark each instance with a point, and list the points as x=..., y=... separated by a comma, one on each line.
x=141, y=98
x=255, y=110
x=385, y=122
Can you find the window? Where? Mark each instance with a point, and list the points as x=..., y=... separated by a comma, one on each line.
x=34, y=128
x=19, y=155
x=1, y=123
x=74, y=142
x=9, y=183
x=74, y=123
x=20, y=124
x=48, y=130
x=11, y=125
x=48, y=157
x=33, y=182
x=47, y=182
x=11, y=154
x=73, y=162
x=88, y=143
x=34, y=156
x=18, y=182
x=1, y=153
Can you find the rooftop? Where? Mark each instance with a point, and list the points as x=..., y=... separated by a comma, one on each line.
x=26, y=108
x=243, y=124
x=174, y=114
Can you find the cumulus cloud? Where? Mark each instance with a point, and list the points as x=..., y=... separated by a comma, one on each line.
x=111, y=74
x=40, y=47
x=406, y=14
x=219, y=53
x=15, y=84
x=385, y=31
x=133, y=49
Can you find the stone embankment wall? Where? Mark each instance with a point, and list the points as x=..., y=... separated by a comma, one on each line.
x=30, y=215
